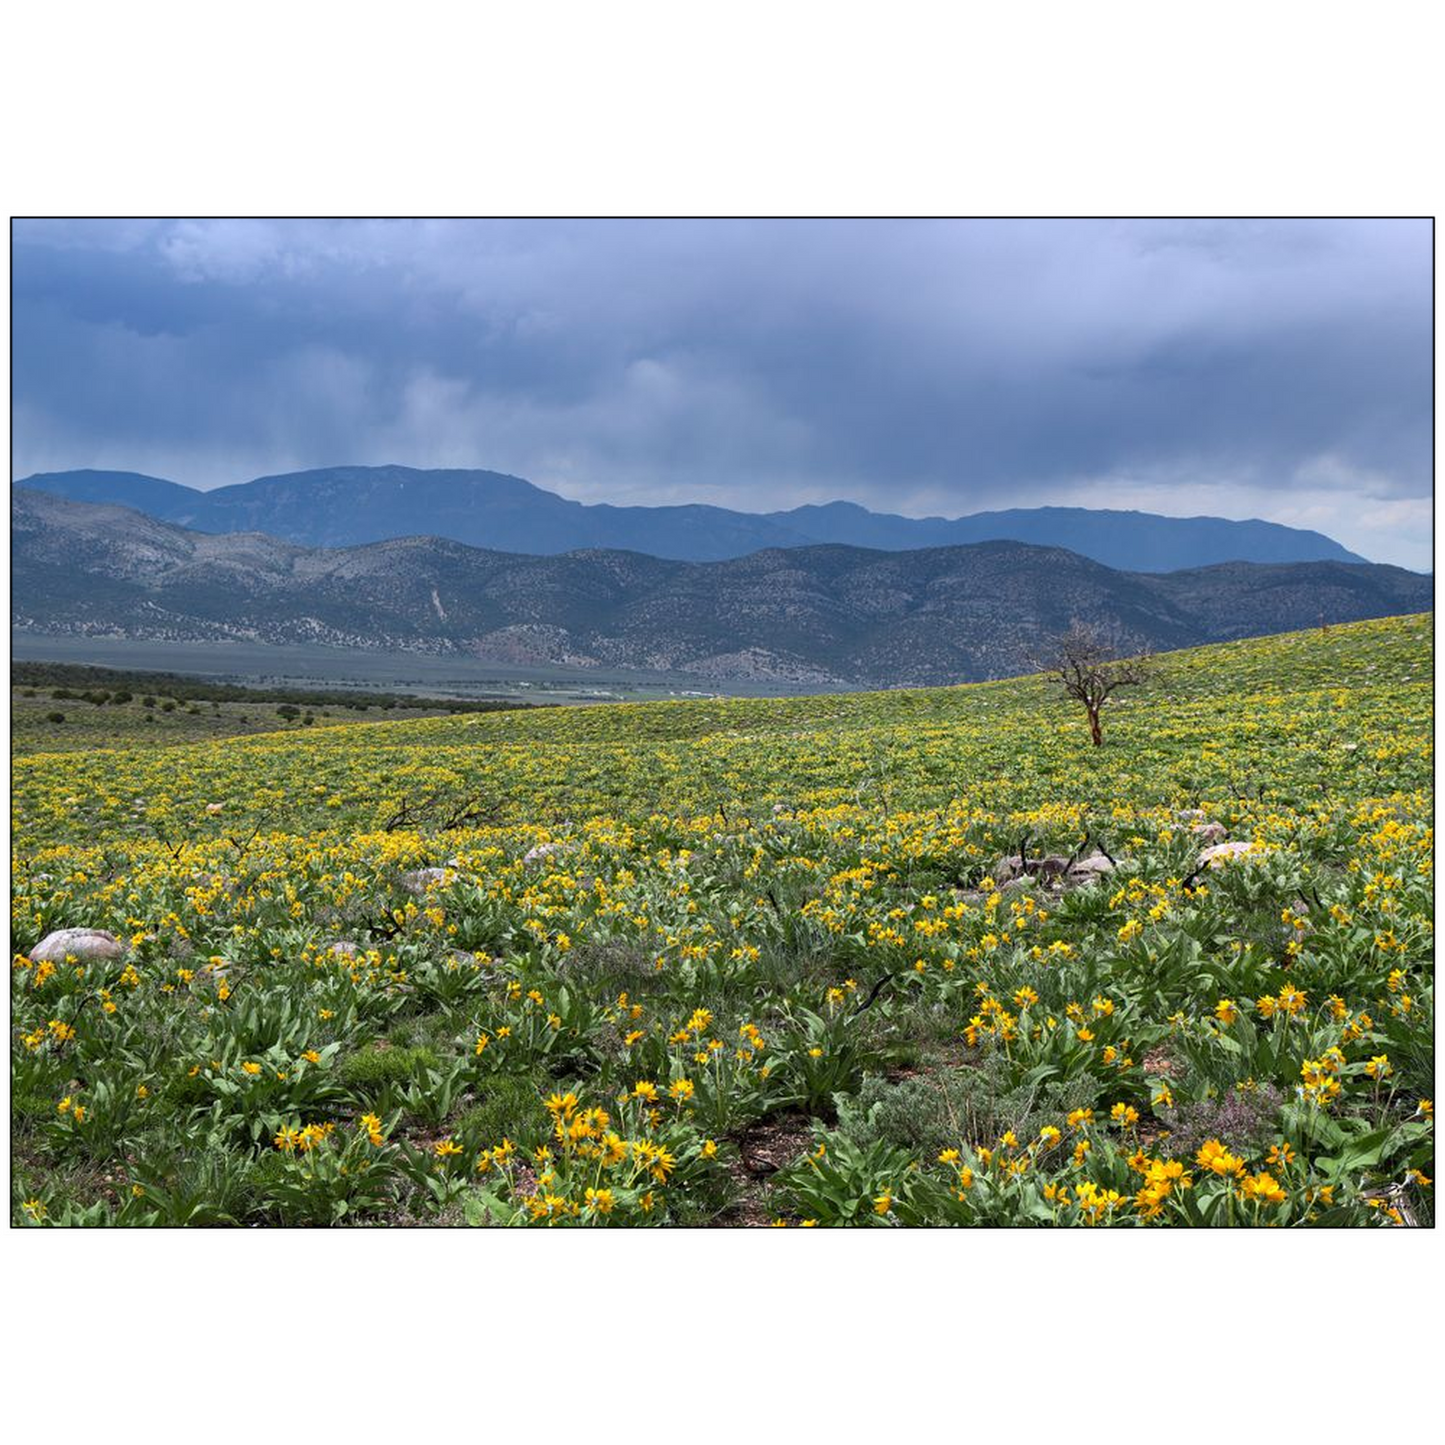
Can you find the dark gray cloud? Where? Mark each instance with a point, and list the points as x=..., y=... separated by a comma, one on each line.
x=1275, y=369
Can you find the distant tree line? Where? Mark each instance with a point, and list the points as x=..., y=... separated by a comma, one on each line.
x=114, y=685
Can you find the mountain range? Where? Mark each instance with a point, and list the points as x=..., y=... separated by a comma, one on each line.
x=808, y=614
x=350, y=506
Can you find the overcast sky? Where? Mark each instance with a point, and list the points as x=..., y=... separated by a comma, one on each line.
x=1240, y=369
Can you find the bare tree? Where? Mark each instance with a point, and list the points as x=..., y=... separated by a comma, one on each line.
x=1089, y=668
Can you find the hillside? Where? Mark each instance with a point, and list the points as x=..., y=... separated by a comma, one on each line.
x=902, y=958
x=349, y=506
x=807, y=614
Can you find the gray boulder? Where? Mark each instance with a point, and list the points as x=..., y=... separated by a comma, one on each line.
x=87, y=945
x=1049, y=867
x=1007, y=868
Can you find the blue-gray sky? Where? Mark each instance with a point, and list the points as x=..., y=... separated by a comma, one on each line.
x=1241, y=369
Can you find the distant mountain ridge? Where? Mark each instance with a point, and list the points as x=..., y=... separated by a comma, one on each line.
x=815, y=614
x=352, y=506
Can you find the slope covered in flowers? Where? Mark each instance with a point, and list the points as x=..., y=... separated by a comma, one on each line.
x=733, y=961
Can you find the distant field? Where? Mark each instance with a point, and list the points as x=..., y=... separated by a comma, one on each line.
x=64, y=707
x=129, y=725
x=406, y=672
x=909, y=957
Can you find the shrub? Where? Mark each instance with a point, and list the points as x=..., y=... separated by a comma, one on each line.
x=508, y=1109
x=929, y=1113
x=1246, y=1119
x=372, y=1068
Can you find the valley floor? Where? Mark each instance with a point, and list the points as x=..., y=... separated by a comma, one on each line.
x=427, y=675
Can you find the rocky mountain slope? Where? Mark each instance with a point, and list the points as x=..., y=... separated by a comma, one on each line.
x=807, y=614
x=349, y=506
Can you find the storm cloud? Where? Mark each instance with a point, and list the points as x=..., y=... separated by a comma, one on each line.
x=1243, y=369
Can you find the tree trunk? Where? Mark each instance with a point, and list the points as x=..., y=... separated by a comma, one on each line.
x=1094, y=729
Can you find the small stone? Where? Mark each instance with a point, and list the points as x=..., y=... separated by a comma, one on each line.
x=542, y=850
x=481, y=962
x=419, y=880
x=1225, y=852
x=1093, y=864
x=971, y=897
x=1007, y=868
x=1210, y=832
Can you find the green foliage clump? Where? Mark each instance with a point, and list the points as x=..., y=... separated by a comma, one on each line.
x=507, y=1108
x=928, y=1113
x=371, y=1069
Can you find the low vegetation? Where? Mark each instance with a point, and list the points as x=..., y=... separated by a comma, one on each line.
x=921, y=957
x=68, y=707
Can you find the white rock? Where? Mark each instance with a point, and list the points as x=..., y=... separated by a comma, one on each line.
x=88, y=945
x=1210, y=832
x=1223, y=853
x=542, y=850
x=420, y=879
x=1094, y=863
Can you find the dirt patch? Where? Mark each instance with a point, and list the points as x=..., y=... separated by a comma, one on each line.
x=763, y=1149
x=1157, y=1062
x=749, y=1210
x=771, y=1144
